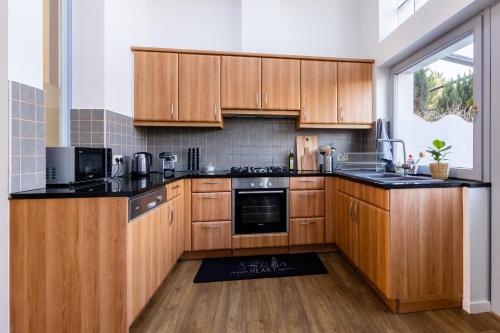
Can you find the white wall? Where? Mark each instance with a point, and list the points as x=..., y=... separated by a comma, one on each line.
x=4, y=171
x=495, y=160
x=102, y=61
x=319, y=27
x=26, y=42
x=119, y=35
x=88, y=54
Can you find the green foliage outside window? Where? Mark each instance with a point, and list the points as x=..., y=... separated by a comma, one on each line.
x=435, y=97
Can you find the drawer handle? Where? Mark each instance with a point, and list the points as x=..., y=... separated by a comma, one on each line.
x=176, y=187
x=307, y=223
x=151, y=205
x=210, y=197
x=212, y=227
x=211, y=183
x=306, y=194
x=308, y=181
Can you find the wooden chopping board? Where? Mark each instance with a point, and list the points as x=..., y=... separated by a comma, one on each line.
x=307, y=146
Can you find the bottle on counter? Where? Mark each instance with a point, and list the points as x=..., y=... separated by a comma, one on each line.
x=291, y=160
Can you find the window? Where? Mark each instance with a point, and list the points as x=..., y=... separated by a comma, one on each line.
x=438, y=95
x=407, y=8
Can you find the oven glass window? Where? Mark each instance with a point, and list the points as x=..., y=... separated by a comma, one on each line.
x=260, y=212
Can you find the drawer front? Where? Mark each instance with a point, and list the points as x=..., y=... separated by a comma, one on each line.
x=211, y=207
x=211, y=235
x=307, y=231
x=307, y=203
x=211, y=185
x=369, y=194
x=174, y=189
x=307, y=183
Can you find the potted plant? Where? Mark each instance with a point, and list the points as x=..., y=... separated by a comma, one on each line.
x=439, y=151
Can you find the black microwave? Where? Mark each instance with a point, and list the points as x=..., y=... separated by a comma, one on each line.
x=72, y=165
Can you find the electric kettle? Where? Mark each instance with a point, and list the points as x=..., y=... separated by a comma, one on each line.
x=141, y=164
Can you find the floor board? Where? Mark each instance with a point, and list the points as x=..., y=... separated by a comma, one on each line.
x=338, y=302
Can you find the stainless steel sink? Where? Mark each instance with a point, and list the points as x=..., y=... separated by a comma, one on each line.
x=391, y=178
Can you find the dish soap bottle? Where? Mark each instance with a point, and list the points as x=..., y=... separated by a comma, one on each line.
x=291, y=160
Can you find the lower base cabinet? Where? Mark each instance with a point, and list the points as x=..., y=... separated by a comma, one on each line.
x=307, y=231
x=208, y=236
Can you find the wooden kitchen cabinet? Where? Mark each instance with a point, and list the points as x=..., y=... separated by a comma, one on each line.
x=307, y=231
x=211, y=206
x=280, y=84
x=148, y=253
x=241, y=83
x=407, y=246
x=318, y=89
x=199, y=89
x=211, y=235
x=156, y=86
x=310, y=203
x=355, y=93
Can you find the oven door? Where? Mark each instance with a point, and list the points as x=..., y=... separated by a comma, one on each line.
x=260, y=211
x=90, y=164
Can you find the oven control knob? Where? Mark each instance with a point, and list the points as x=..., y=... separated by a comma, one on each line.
x=261, y=184
x=252, y=184
x=269, y=184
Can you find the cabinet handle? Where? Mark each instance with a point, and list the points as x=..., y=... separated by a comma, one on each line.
x=356, y=212
x=305, y=194
x=341, y=111
x=172, y=110
x=172, y=215
x=265, y=99
x=211, y=183
x=350, y=211
x=257, y=99
x=307, y=181
x=210, y=197
x=307, y=223
x=176, y=187
x=211, y=226
x=305, y=113
x=215, y=111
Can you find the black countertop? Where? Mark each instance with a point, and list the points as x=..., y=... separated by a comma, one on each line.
x=129, y=187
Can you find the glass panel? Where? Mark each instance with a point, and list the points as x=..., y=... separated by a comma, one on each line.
x=435, y=101
x=405, y=10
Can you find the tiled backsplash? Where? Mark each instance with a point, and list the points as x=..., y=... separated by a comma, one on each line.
x=244, y=141
x=104, y=128
x=27, y=160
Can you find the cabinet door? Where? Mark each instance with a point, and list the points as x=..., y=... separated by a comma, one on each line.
x=211, y=235
x=240, y=82
x=178, y=225
x=211, y=207
x=156, y=86
x=146, y=258
x=373, y=244
x=199, y=88
x=355, y=90
x=307, y=231
x=318, y=90
x=310, y=203
x=347, y=229
x=280, y=84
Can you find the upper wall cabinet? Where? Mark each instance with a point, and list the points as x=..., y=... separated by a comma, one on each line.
x=199, y=88
x=241, y=83
x=355, y=93
x=280, y=84
x=156, y=86
x=318, y=89
x=196, y=88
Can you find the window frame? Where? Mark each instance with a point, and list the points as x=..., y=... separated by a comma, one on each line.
x=479, y=28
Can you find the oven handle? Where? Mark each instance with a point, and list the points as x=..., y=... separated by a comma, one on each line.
x=260, y=192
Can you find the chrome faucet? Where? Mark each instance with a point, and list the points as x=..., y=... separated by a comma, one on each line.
x=406, y=167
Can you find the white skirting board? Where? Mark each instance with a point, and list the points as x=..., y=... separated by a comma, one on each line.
x=476, y=307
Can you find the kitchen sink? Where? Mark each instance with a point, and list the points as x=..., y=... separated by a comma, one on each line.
x=391, y=178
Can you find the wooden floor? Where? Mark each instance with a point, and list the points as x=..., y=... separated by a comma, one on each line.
x=338, y=302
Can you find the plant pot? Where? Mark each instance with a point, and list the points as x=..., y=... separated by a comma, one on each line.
x=440, y=170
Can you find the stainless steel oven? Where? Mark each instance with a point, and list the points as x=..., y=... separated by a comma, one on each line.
x=260, y=205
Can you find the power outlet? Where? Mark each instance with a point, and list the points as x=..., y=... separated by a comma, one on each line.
x=175, y=158
x=117, y=158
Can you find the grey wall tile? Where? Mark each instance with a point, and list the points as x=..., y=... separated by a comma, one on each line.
x=28, y=94
x=28, y=129
x=28, y=111
x=15, y=91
